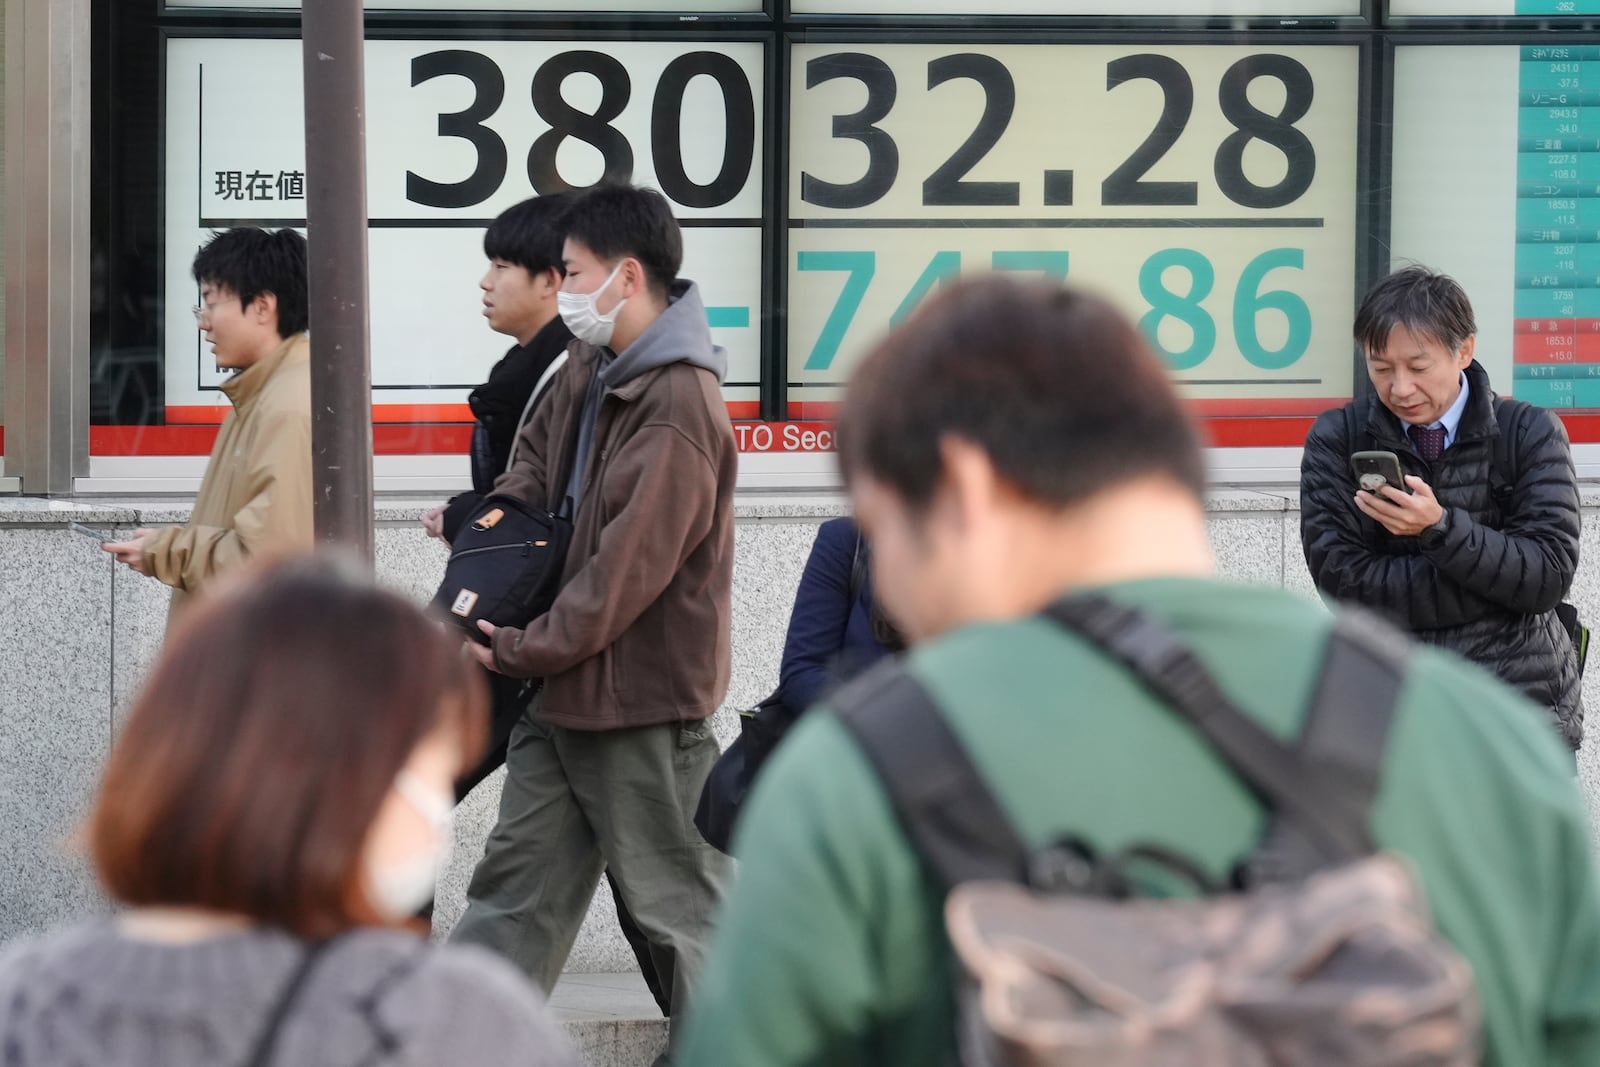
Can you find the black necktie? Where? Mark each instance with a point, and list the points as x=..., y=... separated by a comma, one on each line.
x=1429, y=441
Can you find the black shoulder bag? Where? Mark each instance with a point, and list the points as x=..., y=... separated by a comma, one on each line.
x=505, y=565
x=760, y=730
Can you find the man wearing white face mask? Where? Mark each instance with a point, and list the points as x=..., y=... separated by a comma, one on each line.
x=605, y=768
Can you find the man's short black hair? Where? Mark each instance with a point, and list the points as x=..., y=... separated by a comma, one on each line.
x=1423, y=301
x=614, y=221
x=249, y=261
x=1056, y=386
x=529, y=234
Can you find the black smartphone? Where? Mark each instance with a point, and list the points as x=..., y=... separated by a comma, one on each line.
x=1376, y=469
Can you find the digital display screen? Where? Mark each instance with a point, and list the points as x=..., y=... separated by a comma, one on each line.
x=1490, y=9
x=1496, y=182
x=458, y=130
x=1210, y=190
x=1282, y=9
x=628, y=6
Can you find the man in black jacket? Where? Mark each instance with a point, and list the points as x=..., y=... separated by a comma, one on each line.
x=1481, y=548
x=523, y=246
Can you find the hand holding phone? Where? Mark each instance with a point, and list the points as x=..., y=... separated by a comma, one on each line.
x=1375, y=469
x=101, y=536
x=128, y=549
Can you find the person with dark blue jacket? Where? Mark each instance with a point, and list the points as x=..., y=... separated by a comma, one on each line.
x=832, y=634
x=835, y=632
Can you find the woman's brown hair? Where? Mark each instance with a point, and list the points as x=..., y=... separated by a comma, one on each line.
x=259, y=752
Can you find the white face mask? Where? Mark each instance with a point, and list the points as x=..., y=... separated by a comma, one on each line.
x=399, y=890
x=581, y=313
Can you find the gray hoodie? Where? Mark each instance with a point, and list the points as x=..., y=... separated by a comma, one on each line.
x=680, y=335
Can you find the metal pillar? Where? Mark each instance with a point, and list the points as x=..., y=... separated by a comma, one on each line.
x=47, y=243
x=336, y=232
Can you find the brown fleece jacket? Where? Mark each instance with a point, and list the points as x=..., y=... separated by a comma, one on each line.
x=640, y=633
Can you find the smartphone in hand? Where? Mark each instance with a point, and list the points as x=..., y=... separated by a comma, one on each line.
x=1376, y=469
x=101, y=536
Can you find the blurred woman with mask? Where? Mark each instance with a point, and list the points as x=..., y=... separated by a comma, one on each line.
x=275, y=810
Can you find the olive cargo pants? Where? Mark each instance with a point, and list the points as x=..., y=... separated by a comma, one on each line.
x=576, y=803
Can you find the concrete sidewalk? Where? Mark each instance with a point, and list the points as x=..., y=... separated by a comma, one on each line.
x=611, y=1019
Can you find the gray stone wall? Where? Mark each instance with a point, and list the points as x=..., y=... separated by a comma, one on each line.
x=2, y=214
x=77, y=635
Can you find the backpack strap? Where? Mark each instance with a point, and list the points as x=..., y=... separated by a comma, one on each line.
x=943, y=804
x=539, y=389
x=1320, y=791
x=1355, y=433
x=1344, y=737
x=1502, y=456
x=1328, y=809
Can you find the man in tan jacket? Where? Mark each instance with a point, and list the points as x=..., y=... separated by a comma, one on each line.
x=255, y=498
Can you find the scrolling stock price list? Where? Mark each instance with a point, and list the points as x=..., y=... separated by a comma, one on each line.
x=1556, y=347
x=1207, y=189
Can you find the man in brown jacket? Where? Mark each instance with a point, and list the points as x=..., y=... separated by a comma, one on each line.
x=255, y=498
x=605, y=768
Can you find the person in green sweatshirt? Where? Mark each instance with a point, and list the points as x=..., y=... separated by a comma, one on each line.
x=1015, y=442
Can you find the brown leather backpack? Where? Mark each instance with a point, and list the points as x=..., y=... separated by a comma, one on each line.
x=1321, y=954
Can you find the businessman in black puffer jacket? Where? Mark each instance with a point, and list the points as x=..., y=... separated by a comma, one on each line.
x=1481, y=551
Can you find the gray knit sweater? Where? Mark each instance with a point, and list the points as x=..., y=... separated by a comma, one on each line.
x=93, y=997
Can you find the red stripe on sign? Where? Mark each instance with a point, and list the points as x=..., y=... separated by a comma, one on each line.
x=1582, y=429
x=453, y=439
x=213, y=414
x=151, y=440
x=1266, y=406
x=197, y=414
x=388, y=439
x=400, y=439
x=1261, y=432
x=422, y=439
x=1291, y=433
x=813, y=410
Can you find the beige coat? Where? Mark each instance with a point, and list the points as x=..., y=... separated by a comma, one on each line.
x=255, y=499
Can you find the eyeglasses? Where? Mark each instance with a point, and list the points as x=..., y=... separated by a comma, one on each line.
x=202, y=312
